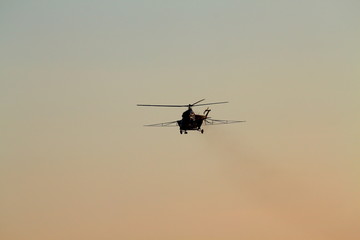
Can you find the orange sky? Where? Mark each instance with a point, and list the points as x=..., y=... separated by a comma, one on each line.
x=77, y=163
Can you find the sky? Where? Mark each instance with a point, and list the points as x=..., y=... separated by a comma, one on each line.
x=76, y=161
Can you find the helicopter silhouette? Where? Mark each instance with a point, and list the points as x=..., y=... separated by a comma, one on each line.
x=190, y=121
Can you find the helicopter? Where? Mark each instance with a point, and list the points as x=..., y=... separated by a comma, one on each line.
x=190, y=121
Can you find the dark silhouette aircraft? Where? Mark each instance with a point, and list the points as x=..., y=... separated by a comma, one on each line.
x=191, y=121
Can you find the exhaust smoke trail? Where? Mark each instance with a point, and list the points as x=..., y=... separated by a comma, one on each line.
x=313, y=202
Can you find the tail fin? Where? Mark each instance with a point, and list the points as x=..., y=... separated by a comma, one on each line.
x=206, y=112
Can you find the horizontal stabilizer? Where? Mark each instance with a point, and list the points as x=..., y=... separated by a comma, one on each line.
x=164, y=124
x=211, y=121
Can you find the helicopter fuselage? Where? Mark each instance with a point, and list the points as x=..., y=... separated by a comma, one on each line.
x=191, y=121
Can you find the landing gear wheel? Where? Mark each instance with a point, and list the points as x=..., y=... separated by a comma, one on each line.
x=202, y=131
x=185, y=132
x=180, y=131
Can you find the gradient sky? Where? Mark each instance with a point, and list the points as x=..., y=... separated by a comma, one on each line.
x=77, y=163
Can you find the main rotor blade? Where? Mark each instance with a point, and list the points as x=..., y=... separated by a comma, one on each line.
x=197, y=102
x=156, y=105
x=204, y=104
x=187, y=105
